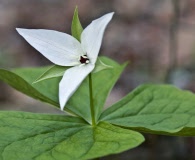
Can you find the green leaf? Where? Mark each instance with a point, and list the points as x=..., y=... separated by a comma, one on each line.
x=76, y=27
x=52, y=72
x=160, y=109
x=99, y=66
x=23, y=83
x=47, y=90
x=47, y=137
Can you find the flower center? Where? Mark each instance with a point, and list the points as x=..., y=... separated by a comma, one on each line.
x=84, y=59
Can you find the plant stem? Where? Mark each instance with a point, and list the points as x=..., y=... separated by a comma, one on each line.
x=173, y=32
x=91, y=101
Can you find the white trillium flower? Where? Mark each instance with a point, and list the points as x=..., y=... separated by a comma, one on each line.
x=64, y=50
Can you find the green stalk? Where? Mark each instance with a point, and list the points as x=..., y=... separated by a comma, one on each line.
x=173, y=39
x=91, y=100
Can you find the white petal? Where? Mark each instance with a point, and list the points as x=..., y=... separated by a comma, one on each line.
x=60, y=48
x=91, y=37
x=71, y=80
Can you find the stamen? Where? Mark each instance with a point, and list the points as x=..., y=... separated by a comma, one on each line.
x=84, y=59
x=84, y=56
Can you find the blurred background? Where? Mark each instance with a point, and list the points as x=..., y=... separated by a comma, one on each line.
x=157, y=37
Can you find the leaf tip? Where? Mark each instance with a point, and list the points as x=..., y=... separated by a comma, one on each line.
x=76, y=28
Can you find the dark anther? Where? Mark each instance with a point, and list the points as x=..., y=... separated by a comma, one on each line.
x=84, y=59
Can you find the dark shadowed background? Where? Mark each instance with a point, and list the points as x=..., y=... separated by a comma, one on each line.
x=157, y=37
